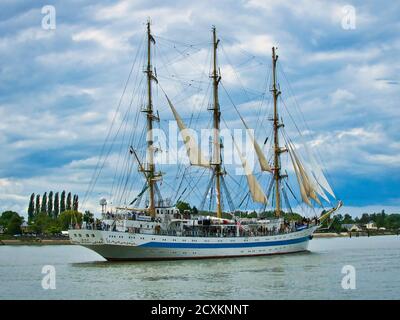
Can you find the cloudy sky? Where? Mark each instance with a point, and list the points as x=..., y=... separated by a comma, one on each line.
x=59, y=88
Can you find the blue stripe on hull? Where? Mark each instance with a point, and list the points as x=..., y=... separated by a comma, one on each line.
x=223, y=245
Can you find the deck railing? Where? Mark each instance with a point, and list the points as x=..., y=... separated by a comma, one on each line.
x=211, y=233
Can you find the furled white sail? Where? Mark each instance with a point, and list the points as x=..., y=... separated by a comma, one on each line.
x=318, y=173
x=316, y=186
x=196, y=158
x=310, y=183
x=260, y=155
x=313, y=182
x=308, y=186
x=257, y=194
x=299, y=177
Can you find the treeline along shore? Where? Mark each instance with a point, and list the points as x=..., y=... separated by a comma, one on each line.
x=51, y=214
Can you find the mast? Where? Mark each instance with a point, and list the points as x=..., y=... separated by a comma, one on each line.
x=150, y=118
x=277, y=125
x=216, y=124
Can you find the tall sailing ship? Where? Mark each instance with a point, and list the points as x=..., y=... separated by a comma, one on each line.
x=159, y=230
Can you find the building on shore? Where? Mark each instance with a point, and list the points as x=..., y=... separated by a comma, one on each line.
x=24, y=227
x=351, y=227
x=371, y=226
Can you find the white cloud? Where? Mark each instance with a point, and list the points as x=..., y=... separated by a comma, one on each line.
x=356, y=151
x=25, y=36
x=392, y=160
x=365, y=54
x=117, y=11
x=105, y=39
x=260, y=44
x=341, y=96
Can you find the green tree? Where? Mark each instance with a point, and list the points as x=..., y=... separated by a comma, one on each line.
x=337, y=223
x=380, y=219
x=252, y=215
x=14, y=225
x=75, y=203
x=182, y=206
x=69, y=202
x=56, y=205
x=39, y=223
x=392, y=221
x=53, y=228
x=37, y=204
x=11, y=221
x=62, y=202
x=195, y=210
x=88, y=217
x=6, y=217
x=44, y=203
x=50, y=204
x=43, y=223
x=290, y=216
x=31, y=207
x=69, y=217
x=347, y=219
x=365, y=218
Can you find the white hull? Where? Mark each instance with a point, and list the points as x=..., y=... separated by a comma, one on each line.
x=130, y=246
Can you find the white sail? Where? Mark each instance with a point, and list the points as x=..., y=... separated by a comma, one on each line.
x=308, y=185
x=316, y=185
x=314, y=189
x=257, y=194
x=299, y=178
x=312, y=180
x=301, y=186
x=196, y=158
x=260, y=155
x=318, y=173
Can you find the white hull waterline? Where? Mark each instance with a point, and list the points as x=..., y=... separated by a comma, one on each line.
x=117, y=246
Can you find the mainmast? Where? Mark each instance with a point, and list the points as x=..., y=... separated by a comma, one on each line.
x=216, y=125
x=150, y=170
x=277, y=149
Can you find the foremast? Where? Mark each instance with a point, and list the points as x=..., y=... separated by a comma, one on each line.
x=276, y=125
x=150, y=170
x=310, y=187
x=217, y=162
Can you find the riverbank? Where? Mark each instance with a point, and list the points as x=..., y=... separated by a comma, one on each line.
x=330, y=235
x=355, y=234
x=24, y=242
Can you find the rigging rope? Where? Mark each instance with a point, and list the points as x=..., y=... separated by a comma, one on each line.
x=94, y=176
